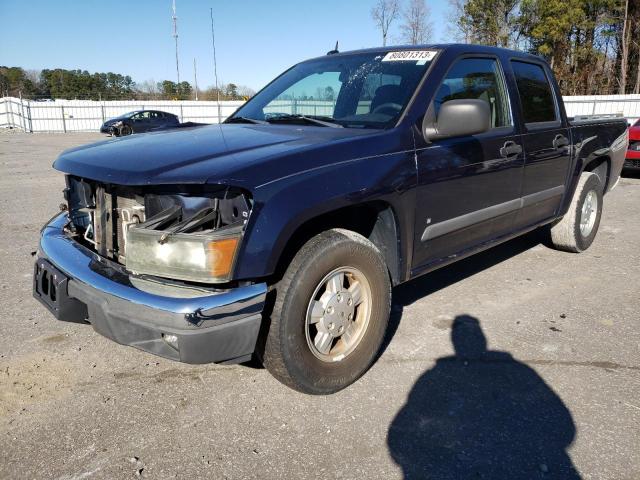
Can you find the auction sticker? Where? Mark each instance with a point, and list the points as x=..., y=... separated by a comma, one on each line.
x=420, y=56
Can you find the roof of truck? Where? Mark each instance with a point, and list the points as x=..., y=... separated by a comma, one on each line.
x=456, y=47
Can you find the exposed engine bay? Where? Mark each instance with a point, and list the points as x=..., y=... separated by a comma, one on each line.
x=102, y=216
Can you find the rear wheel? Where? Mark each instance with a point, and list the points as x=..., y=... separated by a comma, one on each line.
x=578, y=228
x=330, y=313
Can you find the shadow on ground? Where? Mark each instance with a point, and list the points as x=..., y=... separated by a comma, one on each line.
x=482, y=414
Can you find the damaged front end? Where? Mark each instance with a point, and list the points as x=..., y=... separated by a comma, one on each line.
x=181, y=233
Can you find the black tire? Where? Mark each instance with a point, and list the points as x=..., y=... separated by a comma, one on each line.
x=125, y=130
x=287, y=355
x=566, y=234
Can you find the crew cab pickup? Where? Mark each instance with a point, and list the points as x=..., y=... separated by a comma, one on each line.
x=281, y=232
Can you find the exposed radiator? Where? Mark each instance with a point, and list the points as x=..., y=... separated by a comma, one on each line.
x=113, y=214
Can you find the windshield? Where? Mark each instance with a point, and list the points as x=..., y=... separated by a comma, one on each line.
x=368, y=90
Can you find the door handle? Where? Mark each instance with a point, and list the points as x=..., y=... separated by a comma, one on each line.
x=510, y=148
x=560, y=141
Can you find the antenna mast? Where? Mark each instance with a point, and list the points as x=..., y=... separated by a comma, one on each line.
x=175, y=36
x=215, y=64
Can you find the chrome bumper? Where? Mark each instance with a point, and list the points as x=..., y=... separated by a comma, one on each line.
x=177, y=322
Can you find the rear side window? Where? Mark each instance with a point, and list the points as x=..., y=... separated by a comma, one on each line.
x=535, y=93
x=476, y=78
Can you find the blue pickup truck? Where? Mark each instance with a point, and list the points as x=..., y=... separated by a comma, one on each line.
x=281, y=233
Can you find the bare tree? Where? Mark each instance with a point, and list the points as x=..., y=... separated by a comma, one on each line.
x=33, y=75
x=416, y=28
x=384, y=13
x=457, y=28
x=245, y=91
x=148, y=89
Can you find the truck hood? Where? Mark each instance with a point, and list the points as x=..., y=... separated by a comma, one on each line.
x=215, y=153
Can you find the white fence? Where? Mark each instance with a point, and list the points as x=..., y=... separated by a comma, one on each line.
x=625, y=105
x=88, y=115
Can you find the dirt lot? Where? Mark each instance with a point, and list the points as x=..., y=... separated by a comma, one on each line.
x=558, y=389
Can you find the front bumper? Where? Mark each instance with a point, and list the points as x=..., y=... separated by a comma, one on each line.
x=632, y=161
x=204, y=325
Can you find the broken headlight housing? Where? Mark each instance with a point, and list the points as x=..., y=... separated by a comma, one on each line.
x=188, y=238
x=206, y=258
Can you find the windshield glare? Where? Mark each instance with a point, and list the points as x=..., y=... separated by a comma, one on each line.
x=357, y=91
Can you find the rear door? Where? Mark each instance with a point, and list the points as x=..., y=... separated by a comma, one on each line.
x=546, y=142
x=468, y=187
x=156, y=119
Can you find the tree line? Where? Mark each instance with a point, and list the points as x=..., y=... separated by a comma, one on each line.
x=593, y=46
x=80, y=84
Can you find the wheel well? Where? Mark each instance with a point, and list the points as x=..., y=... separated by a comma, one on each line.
x=600, y=166
x=374, y=220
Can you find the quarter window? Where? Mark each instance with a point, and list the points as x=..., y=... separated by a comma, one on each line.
x=535, y=93
x=476, y=78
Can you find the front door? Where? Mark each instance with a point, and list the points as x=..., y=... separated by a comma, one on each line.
x=468, y=187
x=141, y=122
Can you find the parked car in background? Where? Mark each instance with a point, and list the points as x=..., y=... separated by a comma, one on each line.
x=632, y=161
x=280, y=233
x=139, y=121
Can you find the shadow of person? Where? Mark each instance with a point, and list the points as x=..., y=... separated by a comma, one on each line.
x=482, y=414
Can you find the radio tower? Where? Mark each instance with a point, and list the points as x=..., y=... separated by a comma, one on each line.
x=175, y=36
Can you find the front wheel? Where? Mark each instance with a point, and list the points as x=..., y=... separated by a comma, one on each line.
x=576, y=231
x=330, y=314
x=125, y=130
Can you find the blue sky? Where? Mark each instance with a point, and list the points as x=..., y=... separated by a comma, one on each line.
x=255, y=40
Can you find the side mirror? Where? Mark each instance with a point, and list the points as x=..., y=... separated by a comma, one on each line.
x=462, y=117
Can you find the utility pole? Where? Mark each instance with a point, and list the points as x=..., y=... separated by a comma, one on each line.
x=195, y=77
x=175, y=36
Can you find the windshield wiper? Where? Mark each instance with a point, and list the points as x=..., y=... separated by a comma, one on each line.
x=287, y=117
x=246, y=120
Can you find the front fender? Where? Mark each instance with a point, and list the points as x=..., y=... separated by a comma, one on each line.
x=283, y=205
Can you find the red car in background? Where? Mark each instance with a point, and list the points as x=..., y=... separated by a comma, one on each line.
x=632, y=160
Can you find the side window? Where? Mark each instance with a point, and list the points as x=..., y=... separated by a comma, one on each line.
x=140, y=116
x=477, y=78
x=536, y=96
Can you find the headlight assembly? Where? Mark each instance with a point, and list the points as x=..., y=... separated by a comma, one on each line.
x=190, y=238
x=206, y=258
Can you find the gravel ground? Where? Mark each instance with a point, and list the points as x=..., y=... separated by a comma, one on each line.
x=556, y=393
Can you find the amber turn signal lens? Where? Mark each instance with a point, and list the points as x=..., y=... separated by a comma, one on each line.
x=221, y=255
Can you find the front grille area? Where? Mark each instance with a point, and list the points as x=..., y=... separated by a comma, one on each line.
x=116, y=209
x=632, y=163
x=101, y=214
